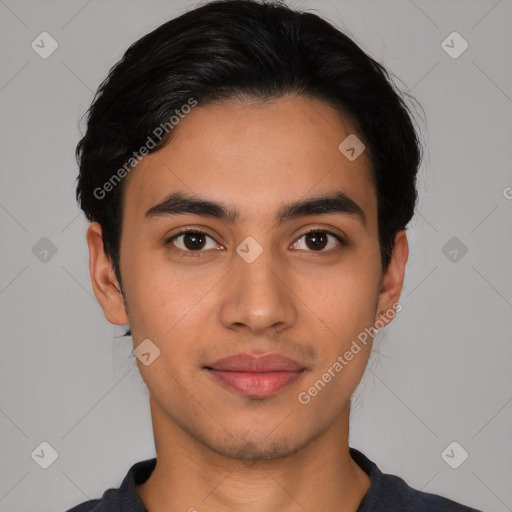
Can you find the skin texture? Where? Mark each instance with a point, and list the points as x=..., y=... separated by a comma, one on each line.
x=217, y=449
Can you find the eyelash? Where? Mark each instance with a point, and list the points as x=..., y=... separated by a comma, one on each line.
x=200, y=253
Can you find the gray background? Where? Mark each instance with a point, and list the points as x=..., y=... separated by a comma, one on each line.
x=443, y=371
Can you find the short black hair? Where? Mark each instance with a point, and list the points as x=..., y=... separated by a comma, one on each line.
x=244, y=49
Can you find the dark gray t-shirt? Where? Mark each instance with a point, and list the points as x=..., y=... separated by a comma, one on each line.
x=387, y=493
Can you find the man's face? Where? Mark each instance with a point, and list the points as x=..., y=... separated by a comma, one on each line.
x=305, y=297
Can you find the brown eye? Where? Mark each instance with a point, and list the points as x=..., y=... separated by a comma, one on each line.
x=194, y=241
x=191, y=241
x=317, y=240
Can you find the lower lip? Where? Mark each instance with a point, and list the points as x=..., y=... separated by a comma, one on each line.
x=256, y=384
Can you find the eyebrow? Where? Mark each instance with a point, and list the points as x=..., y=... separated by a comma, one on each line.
x=178, y=203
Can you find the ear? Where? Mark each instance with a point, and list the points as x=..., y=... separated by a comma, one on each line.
x=103, y=278
x=392, y=281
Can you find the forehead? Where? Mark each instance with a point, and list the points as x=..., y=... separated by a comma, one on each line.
x=254, y=157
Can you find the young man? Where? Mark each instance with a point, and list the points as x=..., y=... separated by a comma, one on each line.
x=249, y=173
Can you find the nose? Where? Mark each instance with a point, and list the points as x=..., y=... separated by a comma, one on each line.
x=258, y=296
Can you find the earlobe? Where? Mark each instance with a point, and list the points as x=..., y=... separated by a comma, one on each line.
x=103, y=279
x=393, y=280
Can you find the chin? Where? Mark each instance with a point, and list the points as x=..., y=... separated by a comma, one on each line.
x=254, y=449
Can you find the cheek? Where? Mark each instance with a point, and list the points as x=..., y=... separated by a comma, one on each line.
x=342, y=328
x=161, y=294
x=343, y=297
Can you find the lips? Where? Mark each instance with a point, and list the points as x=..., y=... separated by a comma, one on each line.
x=256, y=376
x=260, y=364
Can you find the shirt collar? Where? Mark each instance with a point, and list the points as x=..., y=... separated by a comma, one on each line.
x=142, y=470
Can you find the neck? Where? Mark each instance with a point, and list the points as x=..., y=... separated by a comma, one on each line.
x=190, y=476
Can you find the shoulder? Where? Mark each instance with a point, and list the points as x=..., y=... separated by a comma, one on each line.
x=111, y=501
x=390, y=493
x=395, y=488
x=125, y=498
